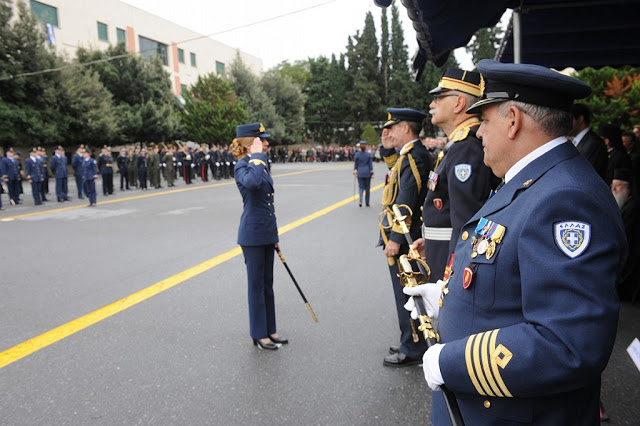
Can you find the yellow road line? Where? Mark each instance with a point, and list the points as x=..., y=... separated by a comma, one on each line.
x=50, y=337
x=155, y=194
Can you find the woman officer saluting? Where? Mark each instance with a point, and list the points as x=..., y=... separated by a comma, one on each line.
x=258, y=232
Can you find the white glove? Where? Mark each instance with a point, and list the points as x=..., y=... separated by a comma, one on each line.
x=430, y=296
x=164, y=164
x=227, y=163
x=206, y=157
x=192, y=165
x=179, y=163
x=217, y=164
x=431, y=366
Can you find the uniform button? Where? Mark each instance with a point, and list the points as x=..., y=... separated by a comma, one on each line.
x=465, y=235
x=486, y=404
x=421, y=208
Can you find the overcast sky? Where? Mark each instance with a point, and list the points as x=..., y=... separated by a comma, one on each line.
x=322, y=30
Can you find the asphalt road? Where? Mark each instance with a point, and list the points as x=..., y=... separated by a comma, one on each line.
x=184, y=356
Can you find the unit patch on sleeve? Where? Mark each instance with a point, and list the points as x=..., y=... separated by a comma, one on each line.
x=572, y=237
x=462, y=172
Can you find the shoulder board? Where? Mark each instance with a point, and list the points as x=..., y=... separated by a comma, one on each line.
x=460, y=134
x=257, y=162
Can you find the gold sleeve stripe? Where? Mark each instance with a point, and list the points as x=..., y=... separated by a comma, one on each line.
x=258, y=162
x=495, y=359
x=472, y=375
x=485, y=363
x=476, y=363
x=391, y=160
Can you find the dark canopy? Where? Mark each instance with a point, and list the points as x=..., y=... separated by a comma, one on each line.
x=555, y=33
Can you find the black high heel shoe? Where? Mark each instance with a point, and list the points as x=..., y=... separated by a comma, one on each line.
x=279, y=340
x=269, y=346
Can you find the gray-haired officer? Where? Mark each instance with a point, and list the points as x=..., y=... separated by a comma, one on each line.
x=461, y=182
x=528, y=317
x=410, y=166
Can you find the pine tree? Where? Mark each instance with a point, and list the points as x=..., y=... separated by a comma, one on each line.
x=485, y=43
x=364, y=96
x=385, y=66
x=400, y=84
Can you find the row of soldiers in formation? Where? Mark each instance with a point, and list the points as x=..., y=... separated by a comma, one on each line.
x=138, y=167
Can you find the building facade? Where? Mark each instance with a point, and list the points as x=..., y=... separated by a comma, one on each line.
x=71, y=24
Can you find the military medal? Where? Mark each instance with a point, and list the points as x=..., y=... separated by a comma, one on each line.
x=491, y=249
x=488, y=235
x=433, y=181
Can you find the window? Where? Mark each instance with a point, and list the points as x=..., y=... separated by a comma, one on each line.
x=193, y=59
x=149, y=48
x=122, y=36
x=219, y=68
x=183, y=89
x=103, y=34
x=181, y=56
x=45, y=13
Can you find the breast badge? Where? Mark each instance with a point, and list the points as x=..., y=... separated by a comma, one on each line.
x=572, y=237
x=462, y=172
x=487, y=236
x=437, y=202
x=433, y=181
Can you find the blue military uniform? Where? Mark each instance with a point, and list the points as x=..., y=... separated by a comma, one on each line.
x=44, y=188
x=105, y=165
x=363, y=166
x=123, y=169
x=258, y=233
x=142, y=166
x=529, y=315
x=89, y=173
x=11, y=174
x=35, y=174
x=460, y=183
x=58, y=166
x=76, y=162
x=407, y=185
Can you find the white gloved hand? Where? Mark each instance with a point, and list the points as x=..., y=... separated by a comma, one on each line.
x=431, y=366
x=179, y=163
x=164, y=164
x=192, y=165
x=430, y=296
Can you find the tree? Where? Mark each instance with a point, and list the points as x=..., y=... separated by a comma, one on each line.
x=615, y=96
x=29, y=110
x=400, y=85
x=255, y=100
x=88, y=106
x=298, y=72
x=369, y=134
x=485, y=43
x=364, y=68
x=212, y=111
x=288, y=101
x=318, y=101
x=385, y=54
x=141, y=89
